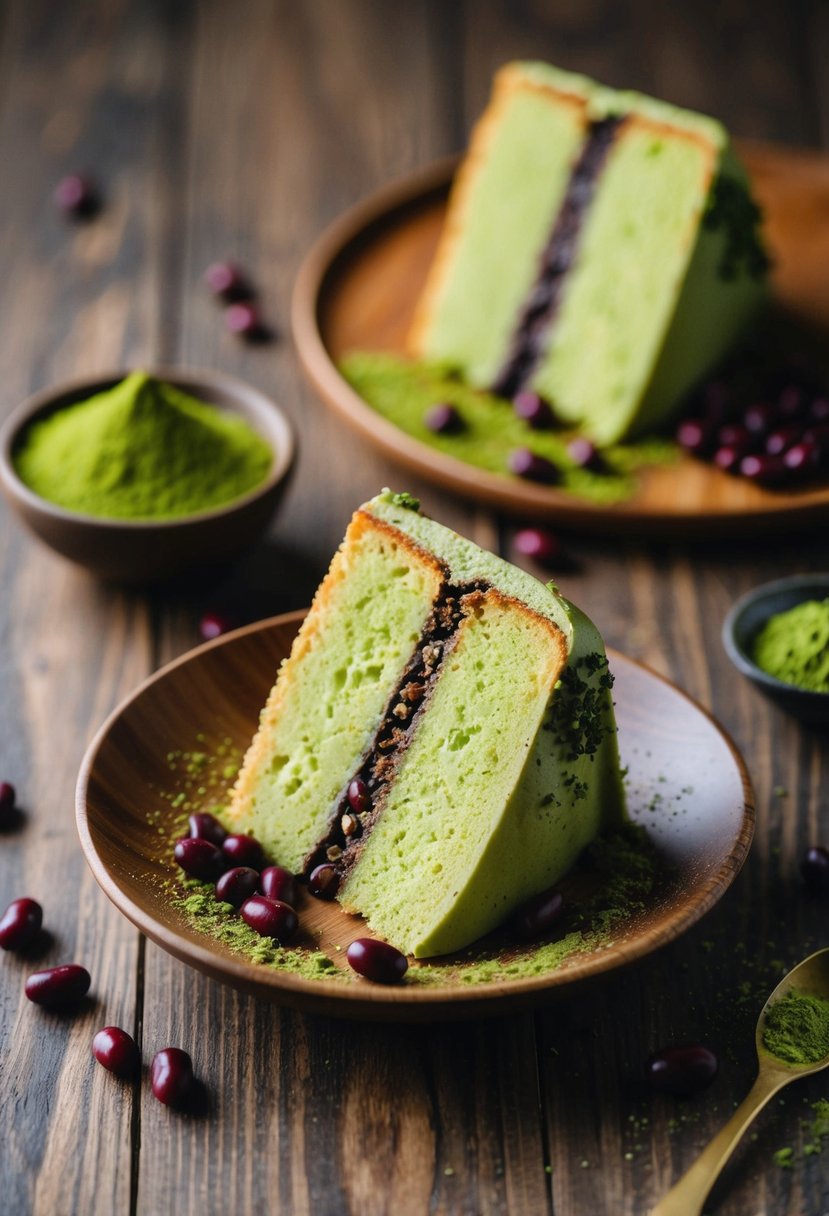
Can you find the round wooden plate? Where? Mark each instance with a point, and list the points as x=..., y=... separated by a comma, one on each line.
x=687, y=785
x=357, y=289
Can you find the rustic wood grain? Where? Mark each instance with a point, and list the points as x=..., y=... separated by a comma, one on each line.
x=223, y=129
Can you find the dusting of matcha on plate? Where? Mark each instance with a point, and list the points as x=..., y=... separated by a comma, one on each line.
x=403, y=391
x=793, y=646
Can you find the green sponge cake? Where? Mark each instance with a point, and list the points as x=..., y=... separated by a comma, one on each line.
x=442, y=734
x=600, y=248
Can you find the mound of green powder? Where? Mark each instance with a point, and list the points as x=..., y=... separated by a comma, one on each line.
x=793, y=646
x=796, y=1029
x=142, y=450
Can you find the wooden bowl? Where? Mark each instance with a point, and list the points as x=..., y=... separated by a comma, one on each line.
x=134, y=551
x=687, y=786
x=744, y=622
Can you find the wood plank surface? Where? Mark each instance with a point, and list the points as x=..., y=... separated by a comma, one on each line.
x=221, y=129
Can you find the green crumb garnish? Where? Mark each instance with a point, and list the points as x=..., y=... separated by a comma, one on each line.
x=403, y=391
x=793, y=646
x=796, y=1029
x=408, y=501
x=784, y=1157
x=221, y=922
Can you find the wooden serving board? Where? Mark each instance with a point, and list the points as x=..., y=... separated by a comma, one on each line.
x=359, y=284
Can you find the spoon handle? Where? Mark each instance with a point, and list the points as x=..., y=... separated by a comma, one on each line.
x=688, y=1195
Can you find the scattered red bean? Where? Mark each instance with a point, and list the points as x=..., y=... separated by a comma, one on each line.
x=537, y=915
x=683, y=1070
x=443, y=419
x=200, y=859
x=77, y=196
x=814, y=868
x=237, y=885
x=214, y=624
x=524, y=463
x=278, y=883
x=228, y=281
x=20, y=924
x=244, y=319
x=116, y=1051
x=585, y=455
x=540, y=544
x=767, y=470
x=57, y=987
x=696, y=435
x=377, y=961
x=171, y=1076
x=244, y=851
x=324, y=881
x=8, y=798
x=270, y=917
x=358, y=796
x=534, y=410
x=204, y=826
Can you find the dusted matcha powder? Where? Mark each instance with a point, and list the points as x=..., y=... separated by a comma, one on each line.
x=796, y=1029
x=793, y=646
x=142, y=450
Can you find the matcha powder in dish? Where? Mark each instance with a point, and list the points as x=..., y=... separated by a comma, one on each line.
x=793, y=646
x=143, y=449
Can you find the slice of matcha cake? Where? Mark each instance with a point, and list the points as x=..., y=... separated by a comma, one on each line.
x=468, y=706
x=601, y=248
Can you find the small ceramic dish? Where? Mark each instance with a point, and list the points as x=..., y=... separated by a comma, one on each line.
x=744, y=622
x=126, y=550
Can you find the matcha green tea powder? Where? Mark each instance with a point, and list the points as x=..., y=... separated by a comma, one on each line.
x=796, y=1029
x=142, y=450
x=793, y=646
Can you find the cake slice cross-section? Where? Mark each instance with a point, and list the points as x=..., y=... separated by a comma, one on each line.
x=470, y=707
x=601, y=248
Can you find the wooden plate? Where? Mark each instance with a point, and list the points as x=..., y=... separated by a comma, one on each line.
x=687, y=785
x=357, y=289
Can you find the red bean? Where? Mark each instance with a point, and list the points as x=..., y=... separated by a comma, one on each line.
x=585, y=455
x=200, y=859
x=244, y=319
x=814, y=868
x=171, y=1076
x=278, y=883
x=237, y=885
x=359, y=798
x=767, y=470
x=228, y=281
x=537, y=915
x=20, y=924
x=270, y=918
x=214, y=624
x=682, y=1069
x=324, y=881
x=76, y=195
x=443, y=419
x=782, y=439
x=534, y=410
x=204, y=826
x=8, y=797
x=57, y=987
x=377, y=961
x=524, y=463
x=540, y=544
x=244, y=850
x=116, y=1051
x=695, y=435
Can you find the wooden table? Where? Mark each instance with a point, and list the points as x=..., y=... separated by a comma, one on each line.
x=221, y=128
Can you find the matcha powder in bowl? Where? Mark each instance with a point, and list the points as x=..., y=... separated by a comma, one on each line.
x=143, y=449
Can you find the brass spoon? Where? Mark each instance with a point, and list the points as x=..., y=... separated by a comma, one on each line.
x=687, y=1196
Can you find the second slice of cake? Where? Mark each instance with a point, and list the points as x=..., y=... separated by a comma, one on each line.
x=472, y=703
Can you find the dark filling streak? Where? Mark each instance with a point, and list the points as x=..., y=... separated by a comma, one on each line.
x=541, y=306
x=396, y=730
